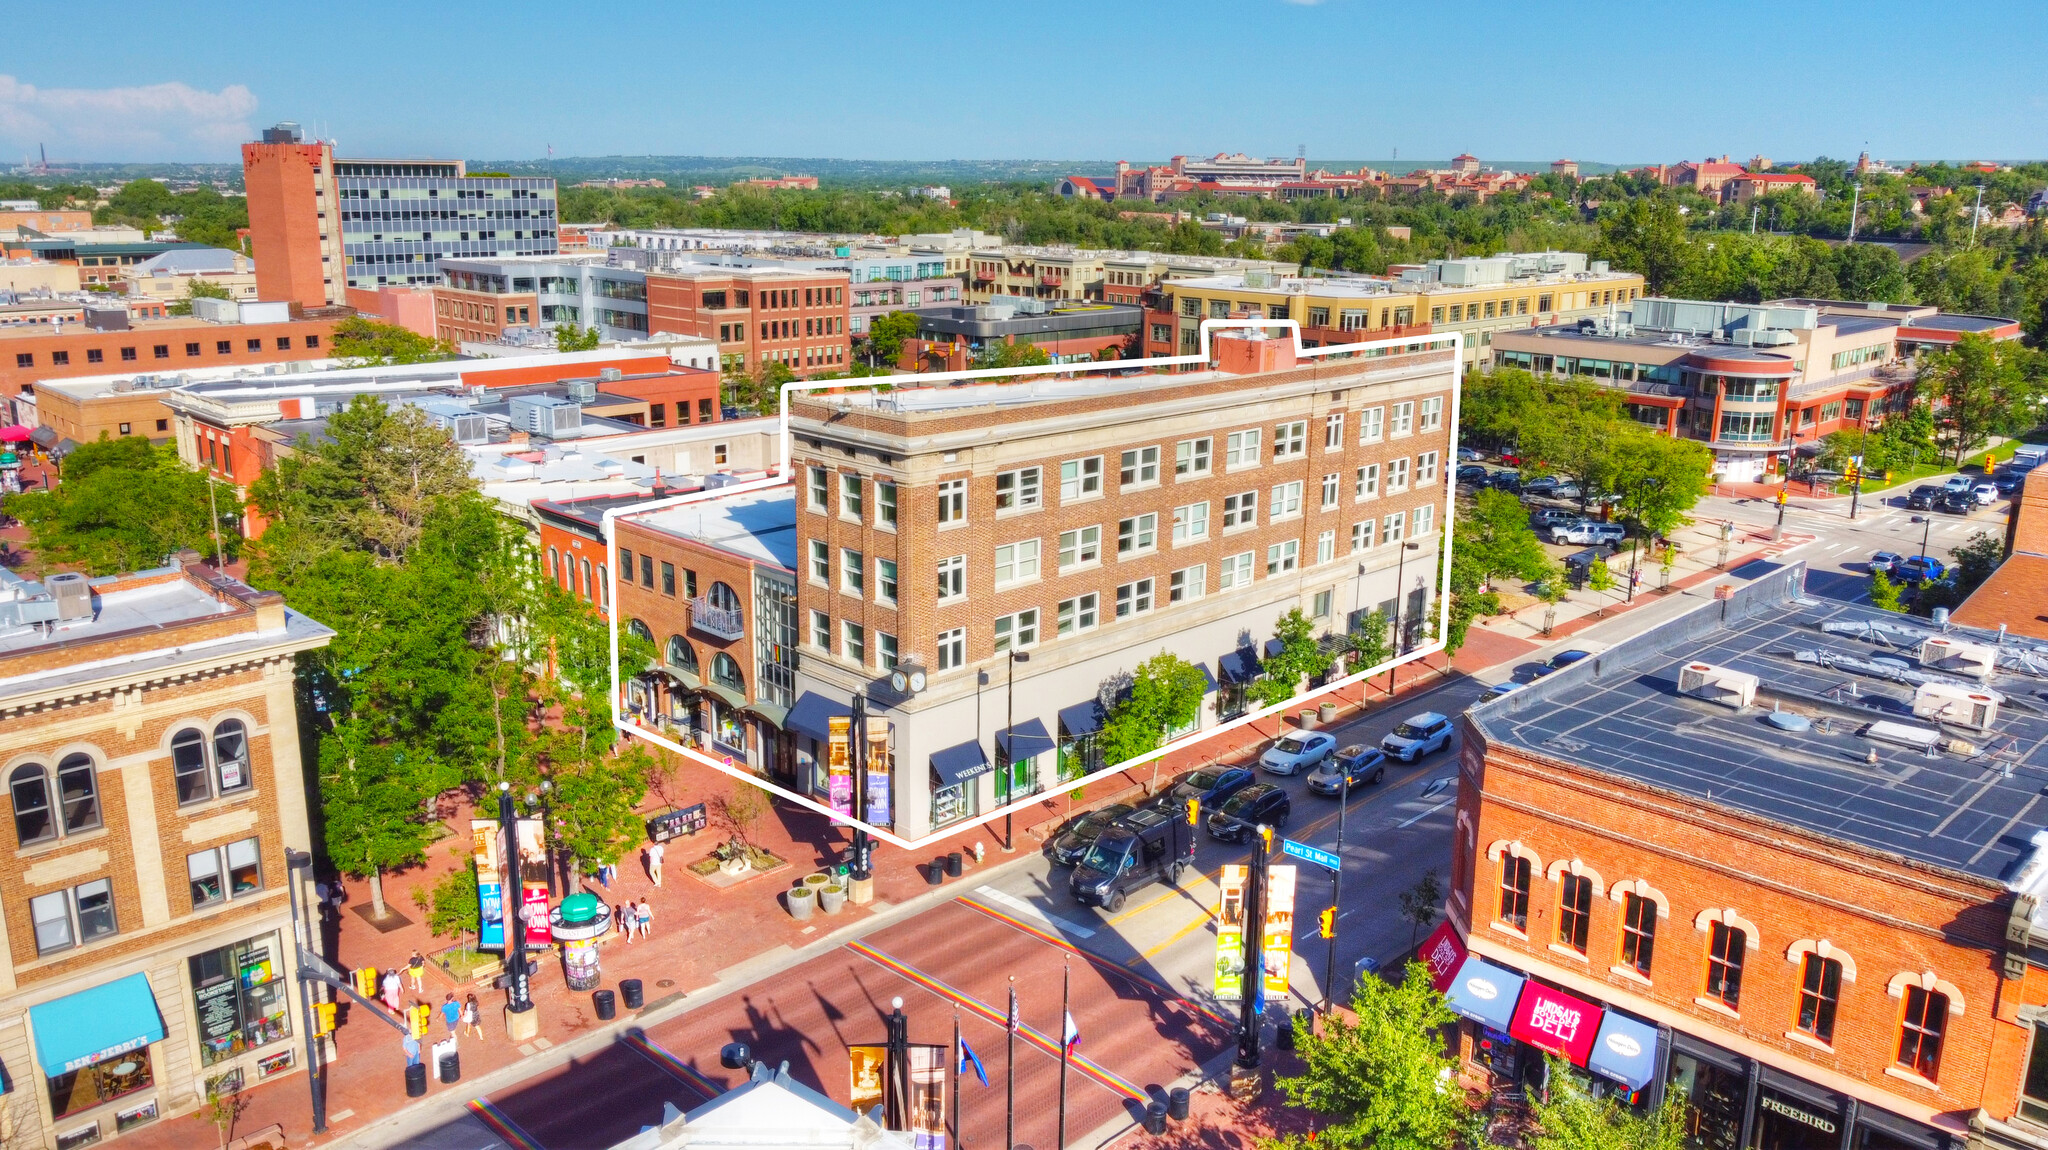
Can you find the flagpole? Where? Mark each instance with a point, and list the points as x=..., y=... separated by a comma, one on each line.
x=953, y=1108
x=1010, y=1071
x=1066, y=1045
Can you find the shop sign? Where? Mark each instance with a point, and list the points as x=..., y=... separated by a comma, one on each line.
x=1441, y=952
x=1554, y=1021
x=1276, y=947
x=878, y=772
x=1766, y=1102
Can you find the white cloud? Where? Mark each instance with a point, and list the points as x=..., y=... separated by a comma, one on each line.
x=171, y=121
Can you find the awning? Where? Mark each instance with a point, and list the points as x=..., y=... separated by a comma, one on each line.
x=1031, y=740
x=1441, y=952
x=14, y=434
x=771, y=712
x=1274, y=647
x=94, y=1025
x=1553, y=1021
x=1240, y=666
x=1082, y=718
x=43, y=436
x=812, y=714
x=727, y=695
x=956, y=765
x=1625, y=1051
x=1485, y=993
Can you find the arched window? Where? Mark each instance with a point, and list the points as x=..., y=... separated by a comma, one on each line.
x=553, y=559
x=79, y=793
x=604, y=590
x=726, y=673
x=680, y=655
x=588, y=595
x=724, y=598
x=29, y=787
x=188, y=766
x=231, y=755
x=639, y=630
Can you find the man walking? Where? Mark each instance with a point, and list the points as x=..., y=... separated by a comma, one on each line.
x=654, y=853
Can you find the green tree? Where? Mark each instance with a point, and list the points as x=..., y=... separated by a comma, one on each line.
x=568, y=338
x=1012, y=355
x=123, y=505
x=1165, y=694
x=196, y=288
x=1976, y=558
x=1657, y=478
x=1384, y=1081
x=373, y=803
x=1300, y=657
x=1566, y=1117
x=371, y=486
x=886, y=334
x=363, y=342
x=1647, y=236
x=1884, y=594
x=1494, y=535
x=455, y=911
x=1978, y=391
x=1421, y=903
x=1368, y=640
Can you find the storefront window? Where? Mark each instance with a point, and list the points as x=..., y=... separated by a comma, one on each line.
x=2034, y=1091
x=1714, y=1097
x=1788, y=1123
x=100, y=1083
x=238, y=997
x=951, y=804
x=727, y=730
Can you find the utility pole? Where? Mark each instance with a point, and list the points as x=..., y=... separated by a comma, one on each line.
x=1753, y=210
x=1976, y=212
x=1853, y=206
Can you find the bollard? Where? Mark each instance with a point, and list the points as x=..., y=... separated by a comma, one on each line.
x=955, y=865
x=607, y=1004
x=416, y=1080
x=451, y=1067
x=734, y=1056
x=630, y=993
x=1155, y=1117
x=936, y=872
x=1177, y=1104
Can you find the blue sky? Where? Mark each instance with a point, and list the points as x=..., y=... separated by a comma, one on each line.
x=884, y=79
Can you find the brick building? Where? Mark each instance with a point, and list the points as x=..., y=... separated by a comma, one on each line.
x=1780, y=855
x=150, y=739
x=758, y=315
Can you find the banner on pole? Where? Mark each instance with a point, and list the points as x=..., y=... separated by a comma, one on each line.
x=533, y=883
x=839, y=764
x=878, y=763
x=1277, y=946
x=490, y=884
x=867, y=1067
x=1230, y=933
x=927, y=1110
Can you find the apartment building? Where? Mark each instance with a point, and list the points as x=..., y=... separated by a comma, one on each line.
x=151, y=743
x=477, y=300
x=1069, y=273
x=321, y=226
x=1755, y=382
x=758, y=315
x=1779, y=856
x=1480, y=297
x=167, y=276
x=951, y=338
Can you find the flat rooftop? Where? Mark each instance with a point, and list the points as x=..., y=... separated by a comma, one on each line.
x=757, y=525
x=1966, y=323
x=1647, y=338
x=1840, y=666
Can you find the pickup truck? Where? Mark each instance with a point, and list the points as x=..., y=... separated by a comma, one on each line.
x=1586, y=531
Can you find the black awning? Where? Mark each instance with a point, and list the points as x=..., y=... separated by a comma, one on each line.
x=1241, y=666
x=813, y=713
x=1031, y=738
x=45, y=437
x=1082, y=718
x=955, y=765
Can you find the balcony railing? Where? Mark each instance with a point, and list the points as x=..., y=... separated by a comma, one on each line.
x=721, y=622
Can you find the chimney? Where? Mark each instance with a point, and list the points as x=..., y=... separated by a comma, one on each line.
x=1251, y=352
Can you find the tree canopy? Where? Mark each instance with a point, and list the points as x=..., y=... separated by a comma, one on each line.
x=1980, y=388
x=886, y=334
x=1165, y=693
x=1384, y=1081
x=123, y=505
x=569, y=338
x=1300, y=657
x=367, y=343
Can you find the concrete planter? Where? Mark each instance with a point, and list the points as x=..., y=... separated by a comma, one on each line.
x=803, y=901
x=1307, y=720
x=832, y=898
x=1327, y=712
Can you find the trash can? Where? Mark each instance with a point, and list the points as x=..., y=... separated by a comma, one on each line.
x=416, y=1080
x=1283, y=1031
x=451, y=1067
x=1177, y=1104
x=607, y=1004
x=1155, y=1117
x=630, y=993
x=955, y=865
x=936, y=873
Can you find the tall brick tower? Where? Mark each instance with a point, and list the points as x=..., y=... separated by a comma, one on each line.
x=294, y=219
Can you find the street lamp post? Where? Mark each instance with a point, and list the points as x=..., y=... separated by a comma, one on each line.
x=1008, y=777
x=1252, y=987
x=519, y=995
x=860, y=867
x=1336, y=893
x=316, y=1076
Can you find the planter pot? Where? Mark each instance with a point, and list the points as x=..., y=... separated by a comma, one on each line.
x=802, y=902
x=832, y=898
x=1327, y=712
x=1307, y=720
x=821, y=879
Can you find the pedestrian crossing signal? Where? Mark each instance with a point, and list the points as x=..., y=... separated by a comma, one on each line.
x=1328, y=919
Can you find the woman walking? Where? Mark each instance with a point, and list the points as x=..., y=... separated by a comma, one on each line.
x=472, y=1017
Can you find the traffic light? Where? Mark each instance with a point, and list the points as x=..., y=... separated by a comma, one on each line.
x=1266, y=836
x=1328, y=919
x=420, y=1016
x=1781, y=498
x=323, y=1018
x=366, y=982
x=1194, y=812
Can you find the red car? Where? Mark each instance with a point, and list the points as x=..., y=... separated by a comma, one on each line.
x=1510, y=459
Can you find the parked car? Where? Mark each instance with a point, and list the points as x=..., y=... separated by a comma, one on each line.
x=1499, y=689
x=1510, y=459
x=1359, y=763
x=1261, y=804
x=1210, y=784
x=1586, y=531
x=1072, y=840
x=1886, y=561
x=1549, y=486
x=1141, y=848
x=1922, y=567
x=1469, y=455
x=1421, y=734
x=1508, y=481
x=1923, y=497
x=1473, y=473
x=1560, y=661
x=1298, y=750
x=1548, y=517
x=1985, y=493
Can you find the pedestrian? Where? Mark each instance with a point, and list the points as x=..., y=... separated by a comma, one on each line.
x=472, y=1017
x=451, y=1011
x=417, y=967
x=604, y=875
x=646, y=916
x=623, y=915
x=393, y=988
x=412, y=1049
x=654, y=853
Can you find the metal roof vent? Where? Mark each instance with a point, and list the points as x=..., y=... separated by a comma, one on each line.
x=73, y=595
x=1976, y=660
x=1735, y=689
x=610, y=374
x=1956, y=704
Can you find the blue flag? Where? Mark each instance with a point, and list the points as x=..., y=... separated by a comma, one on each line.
x=969, y=1058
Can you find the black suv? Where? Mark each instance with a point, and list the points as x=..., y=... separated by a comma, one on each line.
x=1145, y=846
x=1080, y=832
x=1261, y=804
x=1924, y=497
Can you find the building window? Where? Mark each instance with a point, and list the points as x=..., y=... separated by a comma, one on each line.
x=1241, y=449
x=1139, y=467
x=1425, y=469
x=668, y=577
x=821, y=631
x=1290, y=439
x=885, y=581
x=238, y=996
x=1920, y=1031
x=1191, y=457
x=852, y=496
x=885, y=504
x=1078, y=613
x=160, y=351
x=1240, y=510
x=1019, y=630
x=1361, y=535
x=200, y=776
x=952, y=501
x=1080, y=547
x=820, y=488
x=952, y=577
x=1724, y=965
x=885, y=651
x=1574, y=911
x=1187, y=583
x=1080, y=478
x=224, y=873
x=128, y=353
x=821, y=562
x=1134, y=598
x=853, y=572
x=1326, y=546
x=1424, y=519
x=63, y=358
x=1368, y=482
x=67, y=918
x=1432, y=414
x=1234, y=571
x=1281, y=557
x=1017, y=490
x=1397, y=475
x=1138, y=534
x=29, y=788
x=1016, y=562
x=1514, y=892
x=1333, y=431
x=96, y=355
x=1820, y=988
x=1190, y=523
x=1286, y=501
x=626, y=563
x=855, y=638
x=952, y=648
x=1404, y=419
x=1638, y=932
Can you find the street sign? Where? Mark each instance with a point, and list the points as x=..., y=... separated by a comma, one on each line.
x=1306, y=853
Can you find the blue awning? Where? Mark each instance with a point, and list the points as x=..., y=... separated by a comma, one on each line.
x=1626, y=1051
x=1240, y=666
x=813, y=712
x=1484, y=992
x=956, y=765
x=1031, y=740
x=94, y=1025
x=1274, y=647
x=1082, y=718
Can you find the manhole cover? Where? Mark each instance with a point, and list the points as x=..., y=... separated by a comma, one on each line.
x=666, y=983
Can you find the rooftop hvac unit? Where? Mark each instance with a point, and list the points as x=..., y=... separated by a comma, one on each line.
x=1976, y=660
x=585, y=390
x=73, y=595
x=1956, y=705
x=546, y=415
x=1717, y=684
x=610, y=374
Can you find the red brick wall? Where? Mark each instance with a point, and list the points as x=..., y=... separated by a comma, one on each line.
x=786, y=318
x=75, y=345
x=284, y=223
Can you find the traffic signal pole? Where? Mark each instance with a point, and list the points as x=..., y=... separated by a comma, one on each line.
x=1336, y=897
x=1251, y=993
